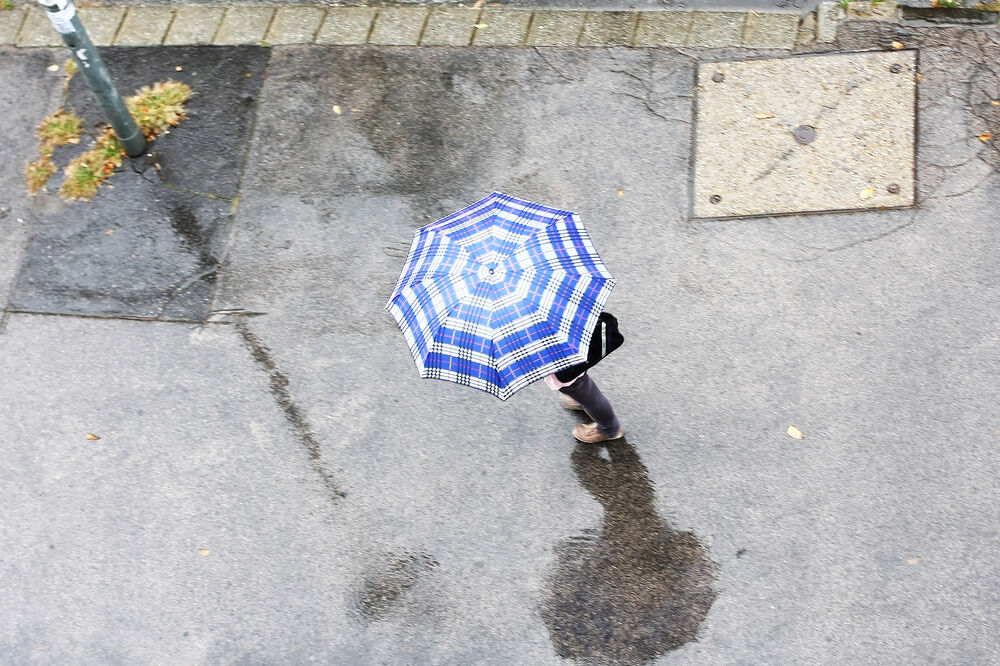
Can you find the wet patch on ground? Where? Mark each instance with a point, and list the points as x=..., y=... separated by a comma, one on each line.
x=150, y=243
x=635, y=588
x=386, y=586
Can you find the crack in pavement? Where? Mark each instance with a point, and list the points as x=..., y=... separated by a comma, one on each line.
x=278, y=383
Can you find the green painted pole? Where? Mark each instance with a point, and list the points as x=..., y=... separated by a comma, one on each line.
x=62, y=13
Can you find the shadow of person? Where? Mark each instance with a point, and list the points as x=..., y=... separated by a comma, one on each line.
x=635, y=589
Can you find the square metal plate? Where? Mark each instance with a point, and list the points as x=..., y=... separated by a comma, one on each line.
x=805, y=134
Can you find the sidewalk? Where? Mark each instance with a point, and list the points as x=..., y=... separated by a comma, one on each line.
x=271, y=483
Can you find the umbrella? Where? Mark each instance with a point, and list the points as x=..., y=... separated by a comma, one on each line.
x=500, y=294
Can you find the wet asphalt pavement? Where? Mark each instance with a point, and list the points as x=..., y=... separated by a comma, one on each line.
x=273, y=484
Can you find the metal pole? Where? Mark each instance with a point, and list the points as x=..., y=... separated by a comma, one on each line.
x=62, y=13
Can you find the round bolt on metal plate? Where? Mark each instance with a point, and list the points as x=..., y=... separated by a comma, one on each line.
x=804, y=134
x=896, y=69
x=718, y=77
x=715, y=198
x=893, y=188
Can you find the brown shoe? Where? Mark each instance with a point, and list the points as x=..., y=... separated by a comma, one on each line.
x=570, y=403
x=589, y=434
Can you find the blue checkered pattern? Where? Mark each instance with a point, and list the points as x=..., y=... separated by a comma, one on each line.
x=500, y=294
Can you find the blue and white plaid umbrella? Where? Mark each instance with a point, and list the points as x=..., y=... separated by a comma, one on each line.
x=500, y=294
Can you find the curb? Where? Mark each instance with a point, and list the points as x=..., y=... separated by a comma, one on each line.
x=420, y=25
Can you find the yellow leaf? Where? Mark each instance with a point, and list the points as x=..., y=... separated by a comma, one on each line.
x=204, y=551
x=763, y=116
x=995, y=102
x=898, y=44
x=478, y=4
x=53, y=68
x=336, y=109
x=179, y=68
x=913, y=560
x=480, y=25
x=621, y=193
x=985, y=137
x=92, y=437
x=795, y=432
x=867, y=192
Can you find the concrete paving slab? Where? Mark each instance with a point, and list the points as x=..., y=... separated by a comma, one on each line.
x=195, y=528
x=294, y=25
x=553, y=27
x=246, y=25
x=148, y=246
x=399, y=26
x=808, y=133
x=666, y=28
x=194, y=25
x=346, y=231
x=450, y=26
x=144, y=26
x=346, y=25
x=608, y=29
x=33, y=92
x=101, y=23
x=502, y=26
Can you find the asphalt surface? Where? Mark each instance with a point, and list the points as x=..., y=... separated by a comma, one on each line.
x=277, y=486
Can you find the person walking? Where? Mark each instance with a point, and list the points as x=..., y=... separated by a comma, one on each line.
x=580, y=392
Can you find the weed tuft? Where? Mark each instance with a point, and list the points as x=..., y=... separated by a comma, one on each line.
x=84, y=174
x=157, y=107
x=60, y=128
x=38, y=173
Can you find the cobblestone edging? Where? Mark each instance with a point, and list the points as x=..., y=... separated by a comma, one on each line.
x=415, y=25
x=407, y=26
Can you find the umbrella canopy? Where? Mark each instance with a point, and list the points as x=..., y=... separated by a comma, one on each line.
x=500, y=294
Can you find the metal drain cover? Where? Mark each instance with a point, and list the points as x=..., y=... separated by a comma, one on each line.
x=805, y=133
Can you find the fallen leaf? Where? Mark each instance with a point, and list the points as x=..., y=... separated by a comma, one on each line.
x=913, y=560
x=480, y=26
x=763, y=116
x=985, y=137
x=477, y=4
x=179, y=68
x=249, y=74
x=336, y=109
x=920, y=77
x=110, y=232
x=867, y=192
x=92, y=437
x=204, y=551
x=621, y=193
x=896, y=44
x=53, y=68
x=995, y=102
x=354, y=109
x=795, y=432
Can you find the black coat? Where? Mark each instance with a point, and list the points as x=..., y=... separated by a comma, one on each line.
x=606, y=339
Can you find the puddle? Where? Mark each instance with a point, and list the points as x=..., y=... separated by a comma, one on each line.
x=385, y=586
x=634, y=588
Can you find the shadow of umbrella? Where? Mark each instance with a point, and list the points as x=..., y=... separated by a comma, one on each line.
x=636, y=588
